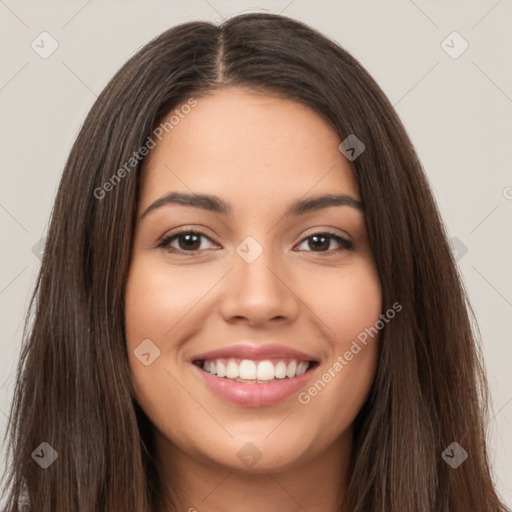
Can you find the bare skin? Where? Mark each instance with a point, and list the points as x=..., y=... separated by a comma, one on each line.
x=260, y=154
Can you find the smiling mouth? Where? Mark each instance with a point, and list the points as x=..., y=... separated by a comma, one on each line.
x=249, y=371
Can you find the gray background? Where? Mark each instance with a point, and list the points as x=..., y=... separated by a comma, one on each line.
x=457, y=112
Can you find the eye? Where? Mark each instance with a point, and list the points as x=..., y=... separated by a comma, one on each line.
x=320, y=242
x=191, y=241
x=187, y=241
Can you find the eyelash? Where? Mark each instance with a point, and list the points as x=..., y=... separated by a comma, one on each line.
x=346, y=245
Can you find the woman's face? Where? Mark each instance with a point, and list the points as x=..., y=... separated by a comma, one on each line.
x=250, y=287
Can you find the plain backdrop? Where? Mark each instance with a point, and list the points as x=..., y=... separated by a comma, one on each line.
x=455, y=102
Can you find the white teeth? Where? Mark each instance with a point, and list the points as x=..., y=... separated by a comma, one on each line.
x=255, y=371
x=209, y=366
x=232, y=370
x=265, y=370
x=221, y=369
x=302, y=367
x=280, y=370
x=291, y=370
x=247, y=369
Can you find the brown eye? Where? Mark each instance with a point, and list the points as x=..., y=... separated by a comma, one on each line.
x=186, y=241
x=321, y=242
x=189, y=242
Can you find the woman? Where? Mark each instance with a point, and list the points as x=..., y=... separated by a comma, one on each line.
x=247, y=300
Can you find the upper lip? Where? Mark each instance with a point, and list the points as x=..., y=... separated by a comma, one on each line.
x=256, y=352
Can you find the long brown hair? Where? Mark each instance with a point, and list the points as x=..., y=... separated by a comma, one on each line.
x=73, y=389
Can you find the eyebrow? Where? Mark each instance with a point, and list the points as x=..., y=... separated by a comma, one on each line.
x=217, y=205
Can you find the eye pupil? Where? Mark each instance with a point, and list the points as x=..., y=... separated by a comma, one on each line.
x=323, y=245
x=192, y=241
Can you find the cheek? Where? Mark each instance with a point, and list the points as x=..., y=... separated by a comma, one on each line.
x=157, y=301
x=346, y=302
x=154, y=305
x=162, y=304
x=359, y=307
x=351, y=307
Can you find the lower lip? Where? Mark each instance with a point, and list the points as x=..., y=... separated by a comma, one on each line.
x=253, y=394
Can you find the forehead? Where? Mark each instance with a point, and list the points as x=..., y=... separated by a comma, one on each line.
x=246, y=146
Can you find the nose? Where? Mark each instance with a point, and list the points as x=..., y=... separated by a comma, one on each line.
x=259, y=292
